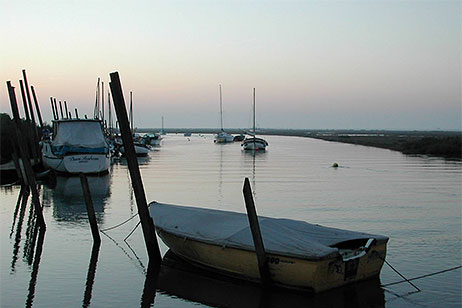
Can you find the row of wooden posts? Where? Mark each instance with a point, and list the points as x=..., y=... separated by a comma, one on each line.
x=147, y=222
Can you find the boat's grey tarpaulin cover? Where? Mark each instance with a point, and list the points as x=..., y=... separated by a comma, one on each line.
x=80, y=133
x=280, y=236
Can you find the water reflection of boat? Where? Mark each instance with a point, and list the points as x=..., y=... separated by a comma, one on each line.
x=68, y=200
x=301, y=256
x=179, y=278
x=71, y=186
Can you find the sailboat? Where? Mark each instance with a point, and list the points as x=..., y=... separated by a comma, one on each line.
x=222, y=136
x=253, y=143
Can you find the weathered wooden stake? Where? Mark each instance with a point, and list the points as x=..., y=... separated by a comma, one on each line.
x=90, y=208
x=256, y=234
x=25, y=156
x=65, y=107
x=37, y=107
x=29, y=101
x=53, y=108
x=147, y=222
x=24, y=101
x=61, y=109
x=30, y=145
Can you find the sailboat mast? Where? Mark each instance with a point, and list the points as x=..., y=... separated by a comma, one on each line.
x=254, y=112
x=221, y=110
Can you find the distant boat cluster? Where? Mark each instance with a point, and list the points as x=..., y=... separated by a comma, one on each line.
x=251, y=143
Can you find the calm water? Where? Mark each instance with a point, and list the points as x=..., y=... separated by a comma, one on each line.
x=416, y=201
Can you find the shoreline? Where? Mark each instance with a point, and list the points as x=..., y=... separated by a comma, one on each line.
x=445, y=144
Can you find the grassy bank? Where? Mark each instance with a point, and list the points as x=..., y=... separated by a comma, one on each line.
x=445, y=144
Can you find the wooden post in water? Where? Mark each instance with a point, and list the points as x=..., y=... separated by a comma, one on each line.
x=147, y=222
x=65, y=107
x=56, y=108
x=31, y=145
x=90, y=208
x=24, y=101
x=61, y=109
x=256, y=234
x=37, y=107
x=53, y=108
x=25, y=157
x=29, y=101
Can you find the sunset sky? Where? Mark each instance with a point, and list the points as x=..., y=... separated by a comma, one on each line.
x=314, y=64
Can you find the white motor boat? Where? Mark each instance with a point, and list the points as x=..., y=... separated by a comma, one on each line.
x=77, y=146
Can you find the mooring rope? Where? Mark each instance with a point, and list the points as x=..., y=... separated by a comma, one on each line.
x=122, y=223
x=423, y=276
x=402, y=276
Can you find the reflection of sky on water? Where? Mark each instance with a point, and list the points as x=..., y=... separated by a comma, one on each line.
x=414, y=200
x=65, y=195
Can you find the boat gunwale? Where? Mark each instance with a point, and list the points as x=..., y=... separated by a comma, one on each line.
x=333, y=255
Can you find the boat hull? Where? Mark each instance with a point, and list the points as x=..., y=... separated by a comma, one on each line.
x=257, y=145
x=224, y=138
x=140, y=151
x=288, y=272
x=88, y=163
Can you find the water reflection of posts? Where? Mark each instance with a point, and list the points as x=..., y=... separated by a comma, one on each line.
x=90, y=208
x=22, y=193
x=147, y=223
x=150, y=285
x=35, y=267
x=91, y=274
x=17, y=239
x=256, y=234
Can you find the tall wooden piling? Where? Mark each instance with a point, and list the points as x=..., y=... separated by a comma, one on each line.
x=29, y=101
x=52, y=108
x=37, y=107
x=147, y=222
x=25, y=156
x=61, y=109
x=256, y=234
x=67, y=112
x=56, y=108
x=24, y=100
x=90, y=208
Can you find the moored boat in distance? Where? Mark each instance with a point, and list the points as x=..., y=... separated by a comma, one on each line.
x=222, y=136
x=238, y=138
x=77, y=146
x=152, y=139
x=253, y=143
x=300, y=255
